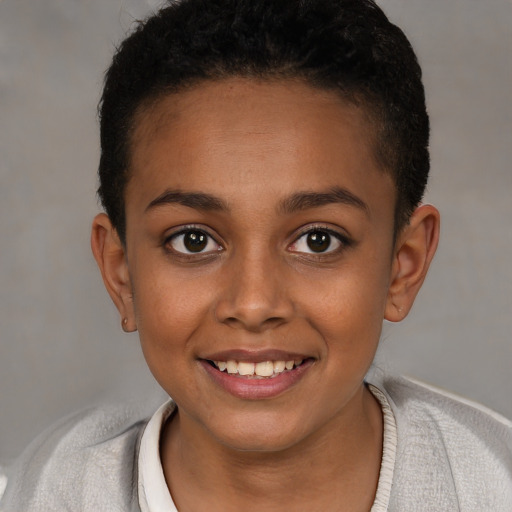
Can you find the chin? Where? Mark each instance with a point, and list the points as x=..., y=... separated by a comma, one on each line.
x=267, y=435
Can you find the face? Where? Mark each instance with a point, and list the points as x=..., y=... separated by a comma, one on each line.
x=259, y=251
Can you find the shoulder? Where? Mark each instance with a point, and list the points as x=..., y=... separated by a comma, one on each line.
x=421, y=403
x=85, y=462
x=449, y=450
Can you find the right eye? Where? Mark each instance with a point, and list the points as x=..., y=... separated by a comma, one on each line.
x=192, y=241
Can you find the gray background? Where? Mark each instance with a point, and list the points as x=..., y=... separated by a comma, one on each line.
x=61, y=347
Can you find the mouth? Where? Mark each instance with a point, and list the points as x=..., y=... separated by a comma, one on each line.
x=256, y=370
x=256, y=376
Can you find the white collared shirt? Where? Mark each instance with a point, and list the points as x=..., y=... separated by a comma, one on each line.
x=154, y=495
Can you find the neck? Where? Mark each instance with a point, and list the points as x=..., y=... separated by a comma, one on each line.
x=335, y=469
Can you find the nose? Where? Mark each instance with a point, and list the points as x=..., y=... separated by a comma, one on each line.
x=255, y=295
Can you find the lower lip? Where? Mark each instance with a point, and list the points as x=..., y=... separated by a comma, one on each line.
x=257, y=389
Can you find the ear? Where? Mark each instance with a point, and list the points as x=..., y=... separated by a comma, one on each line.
x=414, y=249
x=110, y=255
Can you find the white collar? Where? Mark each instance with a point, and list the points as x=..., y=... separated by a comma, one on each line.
x=154, y=495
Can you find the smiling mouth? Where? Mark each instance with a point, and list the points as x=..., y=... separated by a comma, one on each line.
x=260, y=370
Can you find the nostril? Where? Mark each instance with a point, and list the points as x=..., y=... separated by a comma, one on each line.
x=275, y=320
x=254, y=323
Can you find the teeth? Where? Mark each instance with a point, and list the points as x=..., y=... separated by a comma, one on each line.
x=262, y=369
x=245, y=368
x=265, y=369
x=232, y=367
x=279, y=366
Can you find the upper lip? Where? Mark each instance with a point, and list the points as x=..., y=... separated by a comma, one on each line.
x=254, y=356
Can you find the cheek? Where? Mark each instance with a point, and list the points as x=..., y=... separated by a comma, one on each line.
x=168, y=309
x=167, y=319
x=348, y=310
x=350, y=296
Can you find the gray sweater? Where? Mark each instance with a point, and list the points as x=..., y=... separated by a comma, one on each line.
x=451, y=455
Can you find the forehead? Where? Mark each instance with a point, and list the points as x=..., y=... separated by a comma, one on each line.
x=240, y=135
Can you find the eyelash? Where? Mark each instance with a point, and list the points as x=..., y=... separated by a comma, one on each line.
x=167, y=243
x=343, y=241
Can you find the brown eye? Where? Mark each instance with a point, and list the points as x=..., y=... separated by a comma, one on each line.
x=319, y=241
x=193, y=241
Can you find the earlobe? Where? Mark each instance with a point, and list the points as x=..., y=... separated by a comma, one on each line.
x=414, y=250
x=110, y=255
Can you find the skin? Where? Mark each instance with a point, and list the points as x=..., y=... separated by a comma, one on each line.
x=253, y=146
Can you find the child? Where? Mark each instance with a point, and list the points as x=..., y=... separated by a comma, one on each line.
x=262, y=170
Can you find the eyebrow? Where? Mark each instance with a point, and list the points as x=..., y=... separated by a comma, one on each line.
x=296, y=202
x=336, y=195
x=196, y=200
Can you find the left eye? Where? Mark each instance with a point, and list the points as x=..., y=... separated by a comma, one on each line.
x=316, y=242
x=193, y=241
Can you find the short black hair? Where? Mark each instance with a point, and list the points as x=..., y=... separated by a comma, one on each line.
x=348, y=46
